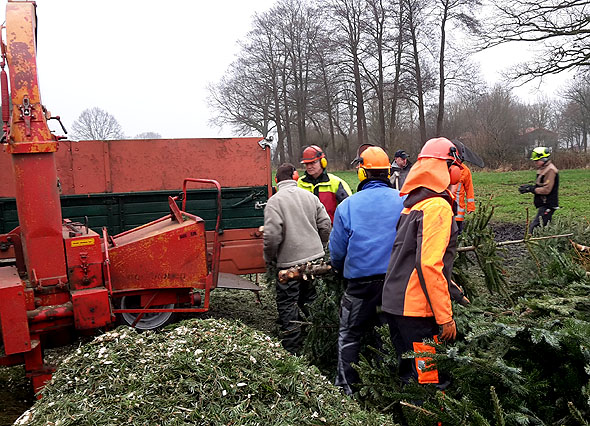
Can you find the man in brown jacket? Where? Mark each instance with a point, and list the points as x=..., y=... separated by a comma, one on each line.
x=296, y=230
x=545, y=187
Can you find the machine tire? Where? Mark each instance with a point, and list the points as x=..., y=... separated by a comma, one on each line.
x=148, y=321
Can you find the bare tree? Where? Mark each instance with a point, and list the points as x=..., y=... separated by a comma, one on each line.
x=397, y=11
x=558, y=29
x=325, y=75
x=353, y=72
x=542, y=114
x=242, y=98
x=571, y=126
x=262, y=45
x=496, y=127
x=462, y=12
x=578, y=94
x=376, y=26
x=96, y=124
x=348, y=16
x=148, y=135
x=414, y=9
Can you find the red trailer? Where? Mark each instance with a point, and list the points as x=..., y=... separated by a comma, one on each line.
x=75, y=274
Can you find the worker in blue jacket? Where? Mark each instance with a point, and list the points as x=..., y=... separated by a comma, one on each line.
x=360, y=246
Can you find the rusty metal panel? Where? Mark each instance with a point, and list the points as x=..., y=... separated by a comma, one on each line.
x=163, y=254
x=13, y=312
x=39, y=212
x=154, y=164
x=236, y=282
x=241, y=251
x=92, y=308
x=28, y=131
x=81, y=167
x=84, y=259
x=7, y=188
x=163, y=164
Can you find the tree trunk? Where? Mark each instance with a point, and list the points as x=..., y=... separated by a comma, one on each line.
x=441, y=70
x=379, y=22
x=398, y=61
x=417, y=75
x=287, y=120
x=328, y=100
x=361, y=119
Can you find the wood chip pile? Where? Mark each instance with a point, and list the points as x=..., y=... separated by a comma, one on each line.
x=212, y=372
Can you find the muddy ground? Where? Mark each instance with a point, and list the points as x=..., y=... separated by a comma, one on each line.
x=15, y=392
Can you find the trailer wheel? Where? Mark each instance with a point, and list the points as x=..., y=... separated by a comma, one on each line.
x=148, y=321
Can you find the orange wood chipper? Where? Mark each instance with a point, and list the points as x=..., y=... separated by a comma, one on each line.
x=61, y=274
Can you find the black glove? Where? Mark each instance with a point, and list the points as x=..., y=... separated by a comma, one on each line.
x=457, y=294
x=523, y=189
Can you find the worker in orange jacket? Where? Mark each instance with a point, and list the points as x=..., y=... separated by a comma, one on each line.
x=464, y=196
x=418, y=289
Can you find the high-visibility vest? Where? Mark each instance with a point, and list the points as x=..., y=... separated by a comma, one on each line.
x=331, y=190
x=464, y=195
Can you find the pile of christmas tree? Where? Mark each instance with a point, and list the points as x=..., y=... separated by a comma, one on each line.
x=523, y=351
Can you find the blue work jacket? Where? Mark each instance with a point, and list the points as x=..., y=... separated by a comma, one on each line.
x=364, y=230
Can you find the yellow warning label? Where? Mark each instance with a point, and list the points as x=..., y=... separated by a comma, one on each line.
x=83, y=242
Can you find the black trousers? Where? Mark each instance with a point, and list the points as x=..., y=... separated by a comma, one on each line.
x=404, y=332
x=543, y=214
x=293, y=300
x=358, y=318
x=460, y=224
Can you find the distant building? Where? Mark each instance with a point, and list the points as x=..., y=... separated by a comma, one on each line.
x=532, y=137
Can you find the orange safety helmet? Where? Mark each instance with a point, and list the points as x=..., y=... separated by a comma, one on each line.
x=313, y=153
x=372, y=158
x=444, y=149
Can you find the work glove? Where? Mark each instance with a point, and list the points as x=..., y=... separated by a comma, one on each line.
x=523, y=189
x=448, y=331
x=456, y=293
x=337, y=272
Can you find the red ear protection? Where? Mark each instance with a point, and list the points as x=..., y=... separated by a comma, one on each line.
x=295, y=176
x=454, y=173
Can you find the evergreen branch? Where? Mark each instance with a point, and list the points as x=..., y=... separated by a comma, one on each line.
x=497, y=407
x=416, y=408
x=576, y=414
x=505, y=243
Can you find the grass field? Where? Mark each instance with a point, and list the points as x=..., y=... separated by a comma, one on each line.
x=511, y=206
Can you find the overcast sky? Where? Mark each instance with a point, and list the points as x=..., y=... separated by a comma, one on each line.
x=148, y=62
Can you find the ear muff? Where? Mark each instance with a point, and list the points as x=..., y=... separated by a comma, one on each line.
x=323, y=162
x=294, y=176
x=361, y=173
x=454, y=173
